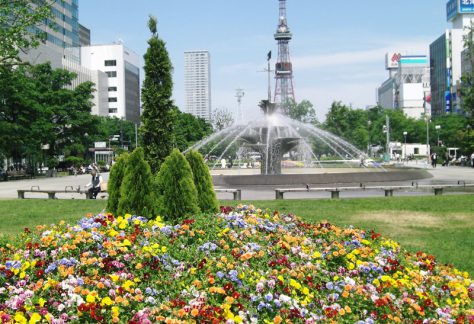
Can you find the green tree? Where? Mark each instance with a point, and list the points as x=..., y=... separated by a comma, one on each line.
x=203, y=181
x=175, y=188
x=17, y=20
x=467, y=79
x=136, y=195
x=303, y=111
x=116, y=176
x=189, y=129
x=38, y=108
x=158, y=117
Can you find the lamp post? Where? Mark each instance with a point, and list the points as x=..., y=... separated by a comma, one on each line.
x=405, y=150
x=438, y=127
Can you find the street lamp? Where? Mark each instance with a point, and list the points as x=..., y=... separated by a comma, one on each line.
x=438, y=127
x=405, y=153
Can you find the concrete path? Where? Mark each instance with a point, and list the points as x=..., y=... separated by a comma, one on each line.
x=441, y=175
x=8, y=189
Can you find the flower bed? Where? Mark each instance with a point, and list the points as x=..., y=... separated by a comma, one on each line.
x=241, y=265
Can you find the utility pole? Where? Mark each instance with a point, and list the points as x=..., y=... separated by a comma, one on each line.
x=387, y=128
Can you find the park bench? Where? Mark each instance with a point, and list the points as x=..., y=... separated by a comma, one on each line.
x=236, y=192
x=438, y=189
x=52, y=193
x=18, y=175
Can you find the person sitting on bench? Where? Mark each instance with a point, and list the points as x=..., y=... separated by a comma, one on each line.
x=94, y=185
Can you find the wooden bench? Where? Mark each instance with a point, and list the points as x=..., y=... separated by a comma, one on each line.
x=236, y=192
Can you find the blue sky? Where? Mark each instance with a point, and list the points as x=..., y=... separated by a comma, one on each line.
x=338, y=47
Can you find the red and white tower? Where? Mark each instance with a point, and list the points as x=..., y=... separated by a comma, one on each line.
x=283, y=68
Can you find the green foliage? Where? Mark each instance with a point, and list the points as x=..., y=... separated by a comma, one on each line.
x=38, y=108
x=136, y=195
x=115, y=182
x=175, y=188
x=158, y=117
x=203, y=181
x=17, y=18
x=467, y=80
x=303, y=111
x=189, y=129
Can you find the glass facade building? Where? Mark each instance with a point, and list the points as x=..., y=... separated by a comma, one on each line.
x=438, y=75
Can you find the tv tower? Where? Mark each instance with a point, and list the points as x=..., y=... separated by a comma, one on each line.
x=283, y=68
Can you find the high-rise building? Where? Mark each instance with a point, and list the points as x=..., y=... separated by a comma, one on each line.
x=121, y=65
x=446, y=59
x=408, y=85
x=197, y=79
x=62, y=36
x=84, y=35
x=62, y=50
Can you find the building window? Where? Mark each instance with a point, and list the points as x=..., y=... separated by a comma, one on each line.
x=112, y=99
x=110, y=63
x=113, y=110
x=112, y=89
x=416, y=151
x=111, y=74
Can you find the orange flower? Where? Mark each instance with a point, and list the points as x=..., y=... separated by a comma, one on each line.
x=100, y=285
x=194, y=312
x=277, y=319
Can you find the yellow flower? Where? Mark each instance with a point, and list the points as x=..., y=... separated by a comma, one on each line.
x=41, y=302
x=106, y=301
x=90, y=298
x=115, y=311
x=19, y=318
x=35, y=317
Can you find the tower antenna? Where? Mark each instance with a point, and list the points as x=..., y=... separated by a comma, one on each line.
x=283, y=68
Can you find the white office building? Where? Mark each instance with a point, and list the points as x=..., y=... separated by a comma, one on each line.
x=408, y=85
x=121, y=65
x=197, y=78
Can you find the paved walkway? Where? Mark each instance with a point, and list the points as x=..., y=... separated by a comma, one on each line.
x=441, y=175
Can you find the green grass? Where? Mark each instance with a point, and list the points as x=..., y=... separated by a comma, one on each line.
x=440, y=225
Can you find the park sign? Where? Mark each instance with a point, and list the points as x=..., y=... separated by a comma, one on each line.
x=458, y=7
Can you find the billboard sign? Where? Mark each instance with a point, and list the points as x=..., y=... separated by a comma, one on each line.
x=451, y=9
x=456, y=7
x=392, y=59
x=466, y=6
x=447, y=97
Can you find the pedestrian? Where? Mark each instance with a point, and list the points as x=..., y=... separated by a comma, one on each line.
x=434, y=159
x=472, y=159
x=96, y=182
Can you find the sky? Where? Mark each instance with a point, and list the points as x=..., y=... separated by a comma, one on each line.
x=338, y=46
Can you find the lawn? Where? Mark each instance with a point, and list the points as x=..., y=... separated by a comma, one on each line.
x=440, y=225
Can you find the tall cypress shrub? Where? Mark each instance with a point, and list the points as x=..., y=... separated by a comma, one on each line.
x=136, y=195
x=207, y=199
x=176, y=191
x=158, y=116
x=115, y=182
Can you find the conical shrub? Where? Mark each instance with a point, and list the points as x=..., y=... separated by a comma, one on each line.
x=207, y=199
x=176, y=191
x=136, y=196
x=115, y=182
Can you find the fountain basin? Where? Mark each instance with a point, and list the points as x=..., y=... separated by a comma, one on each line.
x=313, y=177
